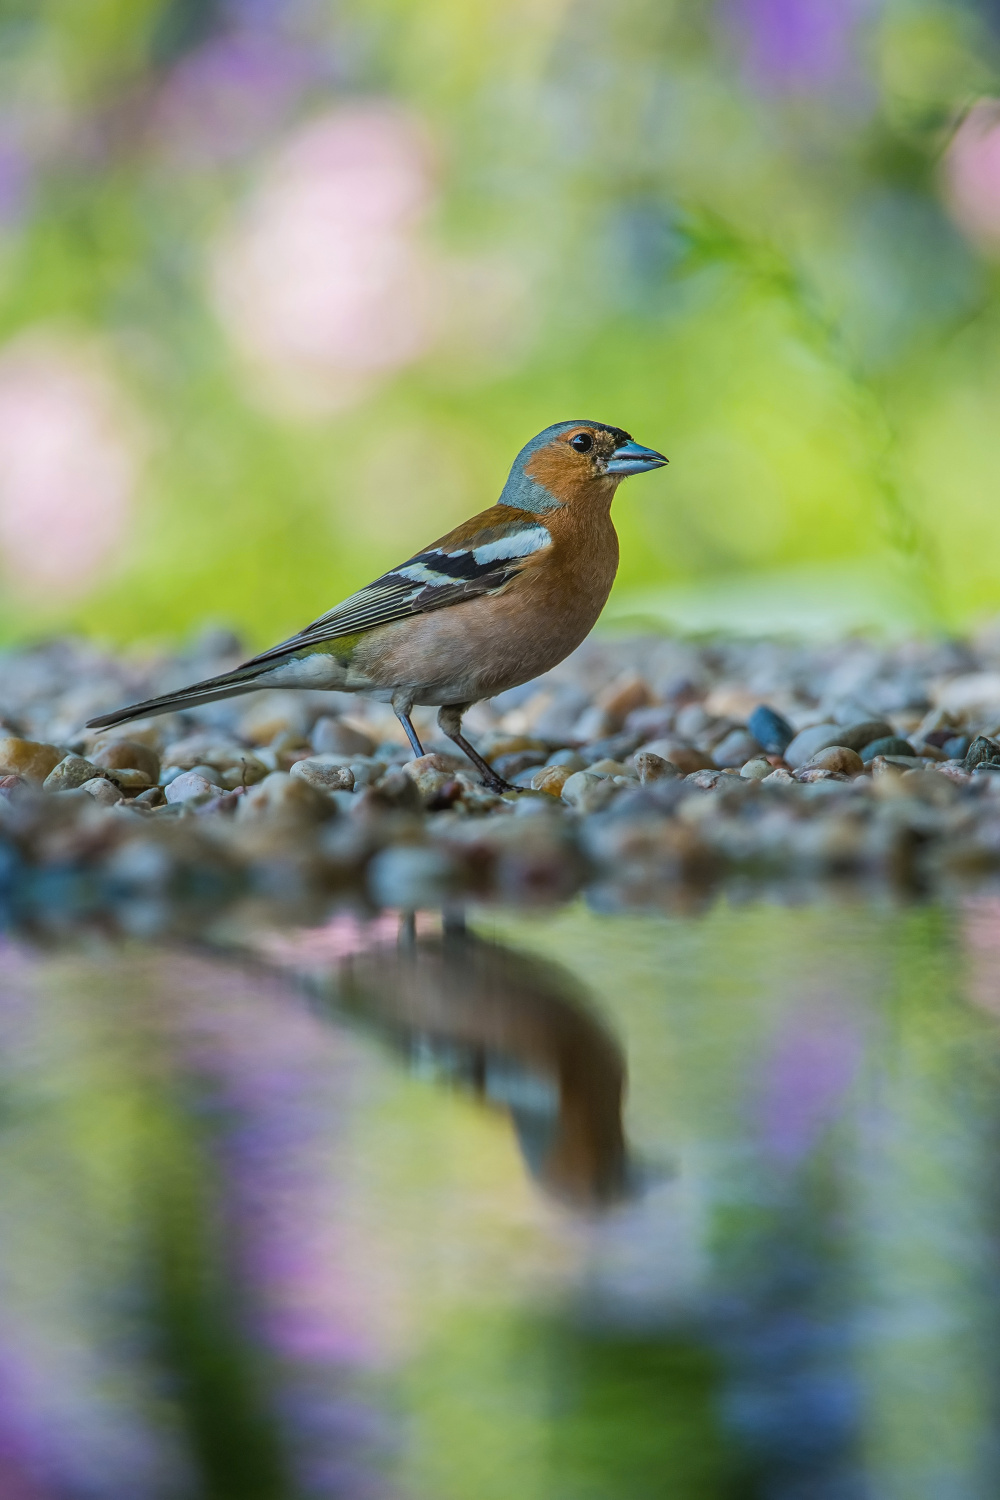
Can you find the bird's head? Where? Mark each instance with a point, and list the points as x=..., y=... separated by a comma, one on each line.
x=571, y=461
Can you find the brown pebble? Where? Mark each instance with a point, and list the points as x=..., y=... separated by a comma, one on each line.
x=650, y=767
x=433, y=762
x=28, y=758
x=551, y=780
x=127, y=755
x=621, y=697
x=687, y=760
x=839, y=758
x=332, y=736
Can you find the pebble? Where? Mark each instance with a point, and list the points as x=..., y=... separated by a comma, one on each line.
x=326, y=773
x=71, y=772
x=772, y=732
x=586, y=792
x=332, y=736
x=103, y=791
x=758, y=769
x=805, y=744
x=982, y=751
x=839, y=758
x=28, y=758
x=130, y=780
x=551, y=779
x=650, y=767
x=684, y=757
x=189, y=785
x=281, y=794
x=857, y=736
x=735, y=749
x=890, y=744
x=128, y=755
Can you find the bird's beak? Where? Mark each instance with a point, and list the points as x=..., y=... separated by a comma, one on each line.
x=633, y=458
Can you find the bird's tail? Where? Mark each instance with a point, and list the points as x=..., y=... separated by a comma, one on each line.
x=229, y=685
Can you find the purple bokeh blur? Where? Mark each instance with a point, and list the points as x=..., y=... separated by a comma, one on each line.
x=793, y=46
x=804, y=1080
x=224, y=100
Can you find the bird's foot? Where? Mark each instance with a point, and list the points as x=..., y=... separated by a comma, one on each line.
x=497, y=784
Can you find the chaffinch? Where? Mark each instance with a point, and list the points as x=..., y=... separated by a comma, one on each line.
x=499, y=600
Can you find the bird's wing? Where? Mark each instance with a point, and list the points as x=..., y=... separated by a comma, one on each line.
x=478, y=557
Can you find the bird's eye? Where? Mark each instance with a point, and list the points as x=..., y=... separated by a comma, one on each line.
x=583, y=442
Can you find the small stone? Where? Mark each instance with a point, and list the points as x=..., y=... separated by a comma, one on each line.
x=190, y=785
x=607, y=767
x=650, y=767
x=281, y=794
x=758, y=769
x=71, y=772
x=805, y=744
x=128, y=755
x=12, y=787
x=435, y=761
x=28, y=758
x=129, y=779
x=551, y=779
x=103, y=791
x=428, y=782
x=811, y=773
x=397, y=790
x=332, y=736
x=982, y=751
x=274, y=712
x=367, y=770
x=627, y=693
x=771, y=731
x=587, y=793
x=325, y=773
x=780, y=777
x=684, y=757
x=706, y=778
x=738, y=746
x=653, y=722
x=857, y=736
x=153, y=797
x=890, y=744
x=493, y=745
x=839, y=758
x=884, y=770
x=957, y=747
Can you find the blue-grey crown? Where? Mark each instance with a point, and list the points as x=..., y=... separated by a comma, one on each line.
x=526, y=493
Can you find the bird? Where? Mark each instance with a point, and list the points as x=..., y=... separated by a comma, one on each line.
x=500, y=599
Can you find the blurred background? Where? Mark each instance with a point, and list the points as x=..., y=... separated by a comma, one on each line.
x=285, y=284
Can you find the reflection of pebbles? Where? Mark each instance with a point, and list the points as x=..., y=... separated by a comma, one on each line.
x=516, y=1032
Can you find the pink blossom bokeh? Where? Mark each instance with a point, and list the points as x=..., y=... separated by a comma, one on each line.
x=322, y=283
x=69, y=463
x=971, y=171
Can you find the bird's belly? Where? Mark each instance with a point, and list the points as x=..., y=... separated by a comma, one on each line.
x=472, y=651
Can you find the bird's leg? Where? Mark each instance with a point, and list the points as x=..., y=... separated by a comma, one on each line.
x=402, y=709
x=450, y=720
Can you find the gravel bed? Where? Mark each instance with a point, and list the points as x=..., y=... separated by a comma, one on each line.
x=646, y=767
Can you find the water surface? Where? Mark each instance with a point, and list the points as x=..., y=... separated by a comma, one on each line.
x=561, y=1206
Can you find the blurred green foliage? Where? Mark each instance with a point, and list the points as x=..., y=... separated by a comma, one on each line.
x=704, y=223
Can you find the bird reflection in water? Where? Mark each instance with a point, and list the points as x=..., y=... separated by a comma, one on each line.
x=514, y=1030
